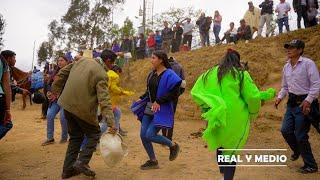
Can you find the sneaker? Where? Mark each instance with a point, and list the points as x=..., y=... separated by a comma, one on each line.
x=149, y=165
x=174, y=151
x=47, y=142
x=83, y=168
x=66, y=174
x=307, y=170
x=294, y=157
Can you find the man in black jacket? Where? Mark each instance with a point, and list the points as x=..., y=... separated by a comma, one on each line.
x=266, y=16
x=167, y=35
x=312, y=13
x=301, y=8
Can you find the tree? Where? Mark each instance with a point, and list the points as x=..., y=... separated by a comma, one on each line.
x=127, y=29
x=45, y=52
x=174, y=15
x=85, y=23
x=2, y=28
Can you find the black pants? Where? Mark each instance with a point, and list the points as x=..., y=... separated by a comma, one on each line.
x=168, y=132
x=77, y=129
x=176, y=44
x=2, y=107
x=227, y=171
x=187, y=39
x=44, y=108
x=302, y=12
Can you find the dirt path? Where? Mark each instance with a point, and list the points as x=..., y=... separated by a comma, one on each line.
x=22, y=157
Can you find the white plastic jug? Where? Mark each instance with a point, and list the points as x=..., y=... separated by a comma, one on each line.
x=112, y=149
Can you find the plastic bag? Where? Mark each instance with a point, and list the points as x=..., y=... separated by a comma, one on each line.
x=112, y=149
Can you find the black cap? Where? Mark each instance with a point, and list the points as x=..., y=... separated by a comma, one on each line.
x=296, y=43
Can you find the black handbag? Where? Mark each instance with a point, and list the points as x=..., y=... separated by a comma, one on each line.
x=148, y=109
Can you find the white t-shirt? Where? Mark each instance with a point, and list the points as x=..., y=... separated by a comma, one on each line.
x=187, y=28
x=282, y=8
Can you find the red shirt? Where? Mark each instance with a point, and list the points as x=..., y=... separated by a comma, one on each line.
x=151, y=42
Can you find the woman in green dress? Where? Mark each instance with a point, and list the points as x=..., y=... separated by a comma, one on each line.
x=229, y=100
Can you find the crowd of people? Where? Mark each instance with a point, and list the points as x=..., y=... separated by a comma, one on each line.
x=85, y=91
x=180, y=35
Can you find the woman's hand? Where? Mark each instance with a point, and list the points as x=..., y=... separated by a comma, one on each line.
x=52, y=97
x=155, y=107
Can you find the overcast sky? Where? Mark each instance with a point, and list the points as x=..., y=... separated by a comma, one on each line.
x=27, y=20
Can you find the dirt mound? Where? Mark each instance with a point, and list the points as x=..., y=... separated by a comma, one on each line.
x=266, y=57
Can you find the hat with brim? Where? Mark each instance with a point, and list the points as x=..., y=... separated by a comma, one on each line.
x=296, y=43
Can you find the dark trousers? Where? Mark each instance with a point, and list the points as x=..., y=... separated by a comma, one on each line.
x=44, y=108
x=302, y=12
x=168, y=132
x=2, y=108
x=227, y=171
x=4, y=126
x=176, y=44
x=187, y=39
x=77, y=129
x=295, y=128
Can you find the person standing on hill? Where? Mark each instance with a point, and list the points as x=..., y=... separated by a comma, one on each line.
x=301, y=8
x=187, y=32
x=166, y=36
x=83, y=86
x=283, y=9
x=204, y=24
x=151, y=43
x=301, y=81
x=266, y=16
x=141, y=47
x=313, y=7
x=158, y=39
x=217, y=26
x=252, y=17
x=177, y=38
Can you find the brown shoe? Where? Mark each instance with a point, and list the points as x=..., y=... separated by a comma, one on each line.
x=83, y=168
x=66, y=174
x=47, y=142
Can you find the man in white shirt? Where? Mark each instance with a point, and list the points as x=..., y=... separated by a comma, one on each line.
x=231, y=34
x=187, y=32
x=283, y=9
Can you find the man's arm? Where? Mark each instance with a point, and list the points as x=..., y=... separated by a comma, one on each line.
x=7, y=89
x=284, y=86
x=61, y=79
x=314, y=79
x=104, y=101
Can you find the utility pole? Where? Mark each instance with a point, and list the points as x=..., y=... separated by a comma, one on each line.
x=144, y=17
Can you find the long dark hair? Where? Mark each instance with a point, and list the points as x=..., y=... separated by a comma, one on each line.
x=164, y=57
x=229, y=64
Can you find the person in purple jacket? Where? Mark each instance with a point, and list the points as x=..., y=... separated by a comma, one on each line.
x=302, y=82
